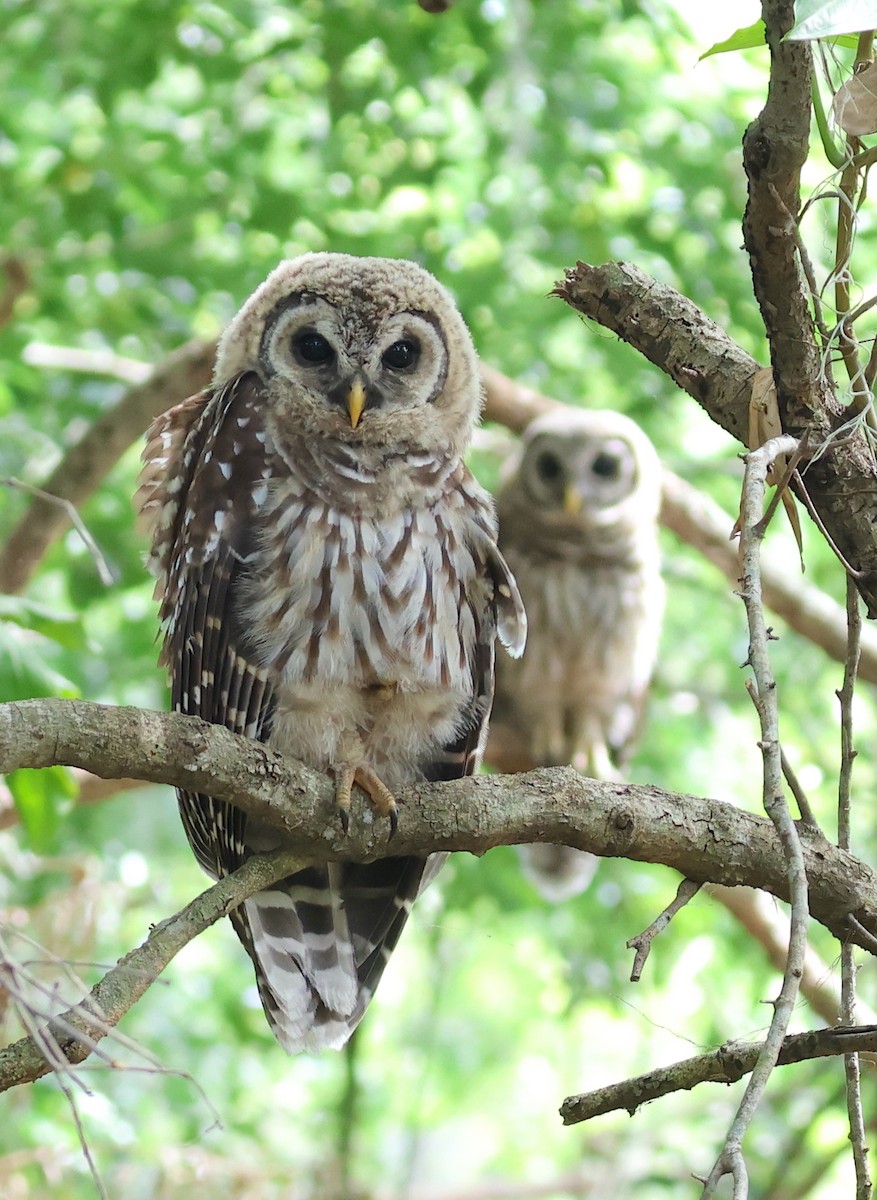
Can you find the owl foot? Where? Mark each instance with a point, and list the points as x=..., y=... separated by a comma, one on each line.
x=380, y=795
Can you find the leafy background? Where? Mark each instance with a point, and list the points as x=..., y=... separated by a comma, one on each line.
x=158, y=158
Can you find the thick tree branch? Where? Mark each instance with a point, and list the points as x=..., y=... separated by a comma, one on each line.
x=725, y=1065
x=673, y=333
x=83, y=467
x=76, y=1032
x=704, y=839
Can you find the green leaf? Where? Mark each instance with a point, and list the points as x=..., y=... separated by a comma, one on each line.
x=747, y=38
x=25, y=673
x=42, y=798
x=64, y=628
x=828, y=18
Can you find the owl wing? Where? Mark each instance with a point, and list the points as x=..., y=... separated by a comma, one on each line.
x=207, y=466
x=203, y=481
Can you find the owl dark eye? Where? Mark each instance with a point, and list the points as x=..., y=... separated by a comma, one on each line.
x=549, y=467
x=401, y=354
x=607, y=466
x=312, y=348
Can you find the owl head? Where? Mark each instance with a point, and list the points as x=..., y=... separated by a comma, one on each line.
x=371, y=352
x=581, y=470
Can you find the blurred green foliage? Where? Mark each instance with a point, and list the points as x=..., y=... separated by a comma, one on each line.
x=157, y=158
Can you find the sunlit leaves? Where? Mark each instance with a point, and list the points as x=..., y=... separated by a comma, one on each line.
x=41, y=798
x=827, y=18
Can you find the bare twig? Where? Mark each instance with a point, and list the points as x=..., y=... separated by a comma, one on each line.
x=852, y=1071
x=72, y=1035
x=642, y=943
x=725, y=1065
x=101, y=565
x=804, y=808
x=764, y=693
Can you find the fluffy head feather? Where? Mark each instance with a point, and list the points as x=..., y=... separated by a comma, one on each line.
x=360, y=310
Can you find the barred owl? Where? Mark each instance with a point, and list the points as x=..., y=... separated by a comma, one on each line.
x=331, y=585
x=578, y=525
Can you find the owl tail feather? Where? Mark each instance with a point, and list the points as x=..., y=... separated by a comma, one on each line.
x=320, y=940
x=301, y=946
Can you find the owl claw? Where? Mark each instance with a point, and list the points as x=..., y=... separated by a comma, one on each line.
x=344, y=777
x=381, y=797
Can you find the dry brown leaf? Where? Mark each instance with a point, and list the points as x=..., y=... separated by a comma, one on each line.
x=764, y=418
x=855, y=103
x=764, y=424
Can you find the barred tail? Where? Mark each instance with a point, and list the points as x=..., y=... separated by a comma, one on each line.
x=320, y=940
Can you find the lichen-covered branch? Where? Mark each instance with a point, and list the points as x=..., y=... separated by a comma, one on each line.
x=703, y=839
x=76, y=1032
x=725, y=1065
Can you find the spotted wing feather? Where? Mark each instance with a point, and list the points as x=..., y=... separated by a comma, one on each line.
x=203, y=482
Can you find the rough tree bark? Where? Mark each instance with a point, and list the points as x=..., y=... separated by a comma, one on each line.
x=706, y=840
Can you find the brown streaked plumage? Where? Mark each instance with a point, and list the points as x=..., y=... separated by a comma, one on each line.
x=330, y=584
x=578, y=513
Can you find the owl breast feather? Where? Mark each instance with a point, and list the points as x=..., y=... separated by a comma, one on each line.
x=352, y=600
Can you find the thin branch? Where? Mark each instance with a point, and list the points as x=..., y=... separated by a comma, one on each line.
x=726, y=1065
x=764, y=692
x=101, y=565
x=804, y=807
x=852, y=1070
x=74, y=1033
x=642, y=943
x=703, y=839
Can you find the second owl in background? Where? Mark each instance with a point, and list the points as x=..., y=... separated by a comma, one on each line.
x=578, y=524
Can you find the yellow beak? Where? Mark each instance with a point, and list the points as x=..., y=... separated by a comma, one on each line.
x=572, y=501
x=355, y=403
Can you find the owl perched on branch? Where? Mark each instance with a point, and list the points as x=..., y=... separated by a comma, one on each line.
x=578, y=516
x=331, y=585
